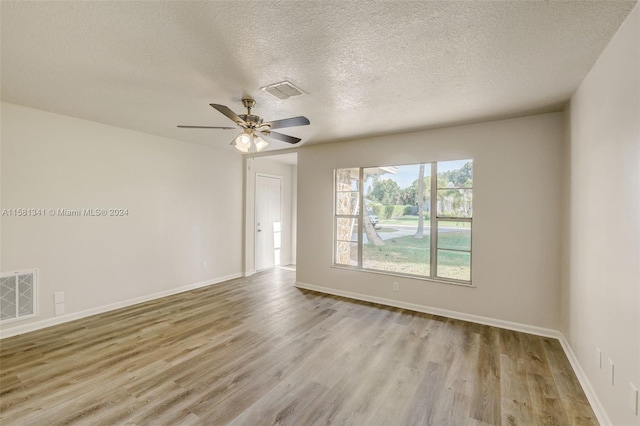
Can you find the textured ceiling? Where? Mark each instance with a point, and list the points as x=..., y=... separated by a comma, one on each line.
x=369, y=67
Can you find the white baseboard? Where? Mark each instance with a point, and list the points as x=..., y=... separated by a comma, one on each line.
x=539, y=331
x=596, y=405
x=33, y=326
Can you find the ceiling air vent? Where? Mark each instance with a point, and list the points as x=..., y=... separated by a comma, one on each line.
x=283, y=90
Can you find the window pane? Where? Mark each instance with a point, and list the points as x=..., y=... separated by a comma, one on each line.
x=347, y=202
x=455, y=203
x=347, y=179
x=346, y=229
x=395, y=186
x=454, y=235
x=455, y=174
x=346, y=253
x=401, y=252
x=394, y=198
x=455, y=265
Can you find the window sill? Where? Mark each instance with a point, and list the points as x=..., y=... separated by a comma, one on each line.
x=399, y=275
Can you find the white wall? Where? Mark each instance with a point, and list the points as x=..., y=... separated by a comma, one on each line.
x=601, y=294
x=272, y=167
x=184, y=202
x=516, y=248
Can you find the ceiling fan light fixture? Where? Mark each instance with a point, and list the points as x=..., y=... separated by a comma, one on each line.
x=243, y=142
x=260, y=143
x=249, y=141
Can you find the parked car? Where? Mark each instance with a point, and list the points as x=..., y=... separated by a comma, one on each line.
x=374, y=219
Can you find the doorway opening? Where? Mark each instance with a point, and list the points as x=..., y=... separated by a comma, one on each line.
x=271, y=212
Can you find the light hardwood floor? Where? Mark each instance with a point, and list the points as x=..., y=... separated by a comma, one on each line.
x=259, y=351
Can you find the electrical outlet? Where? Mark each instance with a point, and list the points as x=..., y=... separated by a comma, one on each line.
x=633, y=399
x=598, y=357
x=58, y=309
x=58, y=297
x=204, y=265
x=396, y=286
x=612, y=371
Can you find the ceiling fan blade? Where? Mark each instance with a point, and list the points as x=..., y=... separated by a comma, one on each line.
x=281, y=137
x=205, y=127
x=288, y=122
x=232, y=115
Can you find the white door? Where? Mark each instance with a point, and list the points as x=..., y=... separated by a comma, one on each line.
x=268, y=221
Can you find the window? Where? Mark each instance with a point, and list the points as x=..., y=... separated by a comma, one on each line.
x=415, y=219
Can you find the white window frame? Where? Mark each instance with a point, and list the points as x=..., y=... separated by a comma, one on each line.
x=434, y=220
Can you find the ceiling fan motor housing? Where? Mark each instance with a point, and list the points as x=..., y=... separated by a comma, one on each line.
x=248, y=103
x=253, y=120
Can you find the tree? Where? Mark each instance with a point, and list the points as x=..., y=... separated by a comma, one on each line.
x=458, y=178
x=385, y=191
x=409, y=195
x=420, y=195
x=453, y=201
x=370, y=230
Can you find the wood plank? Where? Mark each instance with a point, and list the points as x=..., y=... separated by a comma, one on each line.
x=516, y=401
x=486, y=396
x=574, y=402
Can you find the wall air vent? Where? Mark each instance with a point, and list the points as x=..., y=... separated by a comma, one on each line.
x=283, y=90
x=18, y=295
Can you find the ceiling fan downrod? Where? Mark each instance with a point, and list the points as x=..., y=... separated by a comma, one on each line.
x=253, y=121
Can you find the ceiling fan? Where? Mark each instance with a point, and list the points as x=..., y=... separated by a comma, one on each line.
x=254, y=127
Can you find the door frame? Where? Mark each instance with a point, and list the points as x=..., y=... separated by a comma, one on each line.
x=255, y=216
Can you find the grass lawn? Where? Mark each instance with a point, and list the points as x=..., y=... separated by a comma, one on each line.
x=411, y=256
